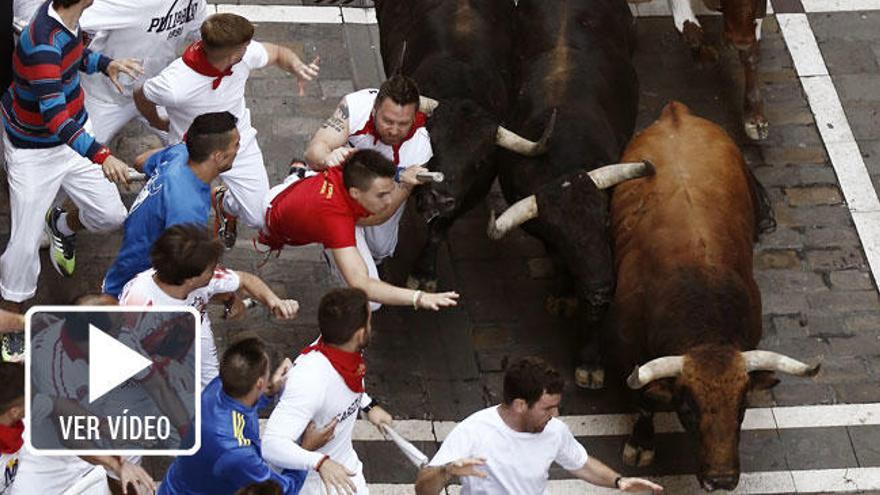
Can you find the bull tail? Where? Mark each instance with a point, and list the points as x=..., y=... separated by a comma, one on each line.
x=673, y=111
x=765, y=219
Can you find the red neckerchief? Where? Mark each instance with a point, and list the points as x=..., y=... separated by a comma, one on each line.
x=70, y=347
x=10, y=438
x=370, y=128
x=349, y=365
x=195, y=58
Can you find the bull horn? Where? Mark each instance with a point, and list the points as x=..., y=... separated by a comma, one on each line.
x=611, y=175
x=664, y=367
x=427, y=105
x=514, y=216
x=512, y=141
x=773, y=361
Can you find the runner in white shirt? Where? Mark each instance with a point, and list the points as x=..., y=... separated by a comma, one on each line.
x=11, y=424
x=151, y=31
x=211, y=77
x=509, y=448
x=186, y=273
x=59, y=388
x=325, y=384
x=387, y=120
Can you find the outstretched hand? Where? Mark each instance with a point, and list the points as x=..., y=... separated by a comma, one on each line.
x=436, y=301
x=466, y=467
x=305, y=73
x=639, y=485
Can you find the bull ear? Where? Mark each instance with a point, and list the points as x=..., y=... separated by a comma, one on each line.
x=762, y=380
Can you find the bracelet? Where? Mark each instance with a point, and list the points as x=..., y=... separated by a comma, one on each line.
x=318, y=465
x=617, y=482
x=417, y=296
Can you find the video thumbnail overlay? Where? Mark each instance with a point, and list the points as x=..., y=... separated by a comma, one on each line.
x=104, y=380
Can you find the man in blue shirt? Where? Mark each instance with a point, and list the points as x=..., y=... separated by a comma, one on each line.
x=230, y=457
x=178, y=190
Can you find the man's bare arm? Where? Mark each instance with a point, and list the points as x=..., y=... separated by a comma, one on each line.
x=432, y=479
x=330, y=139
x=597, y=473
x=355, y=273
x=141, y=159
x=148, y=109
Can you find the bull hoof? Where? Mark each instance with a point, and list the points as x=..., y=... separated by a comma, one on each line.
x=425, y=284
x=637, y=456
x=757, y=129
x=565, y=307
x=593, y=379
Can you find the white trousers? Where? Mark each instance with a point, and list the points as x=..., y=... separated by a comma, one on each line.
x=248, y=185
x=35, y=177
x=108, y=118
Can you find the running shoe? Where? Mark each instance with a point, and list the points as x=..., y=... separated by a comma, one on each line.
x=62, y=248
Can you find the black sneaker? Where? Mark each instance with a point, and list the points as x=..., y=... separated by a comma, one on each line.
x=62, y=248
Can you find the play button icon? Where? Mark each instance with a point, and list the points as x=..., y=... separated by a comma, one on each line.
x=112, y=380
x=111, y=363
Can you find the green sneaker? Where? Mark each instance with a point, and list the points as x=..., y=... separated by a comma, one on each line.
x=62, y=248
x=12, y=348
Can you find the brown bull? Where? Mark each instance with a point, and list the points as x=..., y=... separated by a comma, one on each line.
x=687, y=310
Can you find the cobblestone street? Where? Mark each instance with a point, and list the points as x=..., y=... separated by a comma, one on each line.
x=820, y=300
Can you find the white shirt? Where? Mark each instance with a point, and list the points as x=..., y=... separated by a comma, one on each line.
x=314, y=392
x=43, y=474
x=151, y=31
x=143, y=291
x=186, y=94
x=414, y=151
x=24, y=9
x=516, y=462
x=64, y=375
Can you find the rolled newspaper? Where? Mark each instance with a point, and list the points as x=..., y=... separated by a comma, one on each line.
x=409, y=450
x=135, y=176
x=430, y=176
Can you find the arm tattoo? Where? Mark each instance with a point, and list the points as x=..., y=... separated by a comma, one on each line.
x=339, y=118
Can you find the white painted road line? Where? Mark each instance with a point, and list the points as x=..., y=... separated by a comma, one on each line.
x=601, y=425
x=816, y=6
x=813, y=481
x=841, y=145
x=289, y=14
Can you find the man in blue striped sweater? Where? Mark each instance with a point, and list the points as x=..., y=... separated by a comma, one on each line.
x=48, y=145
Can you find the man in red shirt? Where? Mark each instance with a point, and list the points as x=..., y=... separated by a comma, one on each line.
x=326, y=206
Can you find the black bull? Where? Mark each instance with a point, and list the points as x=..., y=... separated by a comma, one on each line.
x=458, y=51
x=574, y=57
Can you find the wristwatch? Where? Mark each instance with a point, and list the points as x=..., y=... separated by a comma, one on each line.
x=617, y=482
x=366, y=409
